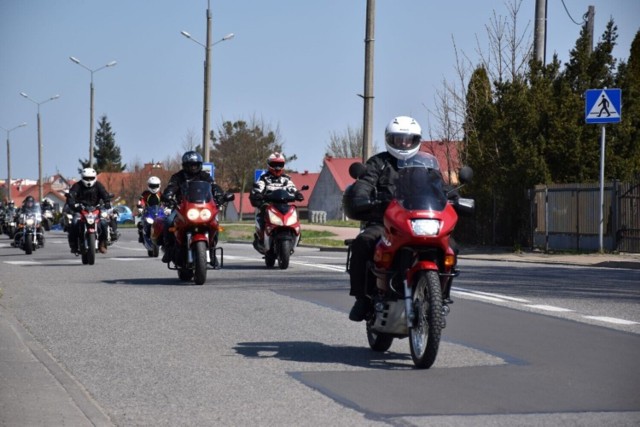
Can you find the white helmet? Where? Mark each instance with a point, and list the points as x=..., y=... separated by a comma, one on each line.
x=153, y=184
x=88, y=177
x=402, y=136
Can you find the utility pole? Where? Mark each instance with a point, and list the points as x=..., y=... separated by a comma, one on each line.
x=367, y=127
x=591, y=13
x=540, y=31
x=207, y=89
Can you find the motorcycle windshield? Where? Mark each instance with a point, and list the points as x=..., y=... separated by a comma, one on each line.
x=420, y=185
x=198, y=192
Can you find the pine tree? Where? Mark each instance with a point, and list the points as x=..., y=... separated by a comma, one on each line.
x=107, y=153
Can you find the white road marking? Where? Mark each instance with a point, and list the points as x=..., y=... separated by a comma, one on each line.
x=548, y=307
x=500, y=296
x=611, y=320
x=23, y=262
x=477, y=296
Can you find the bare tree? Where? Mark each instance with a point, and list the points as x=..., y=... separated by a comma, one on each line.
x=241, y=148
x=347, y=144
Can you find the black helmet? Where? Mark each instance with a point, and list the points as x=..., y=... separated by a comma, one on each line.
x=191, y=162
x=29, y=202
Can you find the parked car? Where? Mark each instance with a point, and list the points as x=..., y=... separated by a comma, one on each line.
x=125, y=216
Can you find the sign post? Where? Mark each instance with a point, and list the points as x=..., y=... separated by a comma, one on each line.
x=602, y=106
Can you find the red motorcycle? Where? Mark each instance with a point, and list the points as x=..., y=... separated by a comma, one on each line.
x=280, y=235
x=88, y=233
x=414, y=263
x=196, y=231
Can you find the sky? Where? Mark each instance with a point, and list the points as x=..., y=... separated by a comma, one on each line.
x=295, y=65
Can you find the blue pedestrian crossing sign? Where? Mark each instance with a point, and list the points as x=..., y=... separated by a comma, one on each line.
x=603, y=106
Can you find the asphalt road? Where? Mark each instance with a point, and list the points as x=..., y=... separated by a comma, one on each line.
x=129, y=344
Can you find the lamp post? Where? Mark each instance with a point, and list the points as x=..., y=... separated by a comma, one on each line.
x=39, y=139
x=207, y=80
x=110, y=64
x=9, y=157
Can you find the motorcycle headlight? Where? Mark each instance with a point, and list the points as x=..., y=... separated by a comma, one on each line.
x=425, y=227
x=91, y=219
x=293, y=218
x=104, y=214
x=30, y=221
x=274, y=219
x=149, y=220
x=205, y=214
x=193, y=214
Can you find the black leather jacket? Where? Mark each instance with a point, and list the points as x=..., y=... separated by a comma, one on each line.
x=91, y=196
x=377, y=184
x=173, y=189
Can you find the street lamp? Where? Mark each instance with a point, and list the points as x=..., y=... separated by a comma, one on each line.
x=207, y=80
x=39, y=139
x=110, y=64
x=9, y=158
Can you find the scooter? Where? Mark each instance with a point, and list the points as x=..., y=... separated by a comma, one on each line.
x=414, y=263
x=280, y=235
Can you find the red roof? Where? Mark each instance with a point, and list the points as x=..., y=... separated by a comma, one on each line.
x=447, y=155
x=339, y=169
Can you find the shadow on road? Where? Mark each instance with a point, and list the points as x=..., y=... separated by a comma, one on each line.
x=314, y=352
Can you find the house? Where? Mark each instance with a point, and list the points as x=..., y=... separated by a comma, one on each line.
x=53, y=188
x=333, y=180
x=300, y=179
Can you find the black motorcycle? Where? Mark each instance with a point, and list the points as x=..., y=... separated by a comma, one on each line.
x=29, y=235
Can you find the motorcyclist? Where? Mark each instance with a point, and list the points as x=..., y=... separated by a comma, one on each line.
x=28, y=204
x=273, y=179
x=372, y=192
x=88, y=191
x=149, y=197
x=172, y=194
x=46, y=204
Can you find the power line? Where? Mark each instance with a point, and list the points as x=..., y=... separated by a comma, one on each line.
x=570, y=17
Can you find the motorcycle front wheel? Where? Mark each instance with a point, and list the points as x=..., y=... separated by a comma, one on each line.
x=424, y=335
x=200, y=260
x=91, y=249
x=284, y=252
x=28, y=243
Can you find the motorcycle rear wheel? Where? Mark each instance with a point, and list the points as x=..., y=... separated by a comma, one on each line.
x=377, y=341
x=269, y=259
x=424, y=335
x=284, y=252
x=185, y=274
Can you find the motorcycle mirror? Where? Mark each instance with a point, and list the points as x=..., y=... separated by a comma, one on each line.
x=356, y=170
x=465, y=175
x=229, y=197
x=304, y=187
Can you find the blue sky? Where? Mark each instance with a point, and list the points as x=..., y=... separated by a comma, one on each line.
x=297, y=65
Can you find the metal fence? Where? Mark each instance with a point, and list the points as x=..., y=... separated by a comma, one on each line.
x=567, y=217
